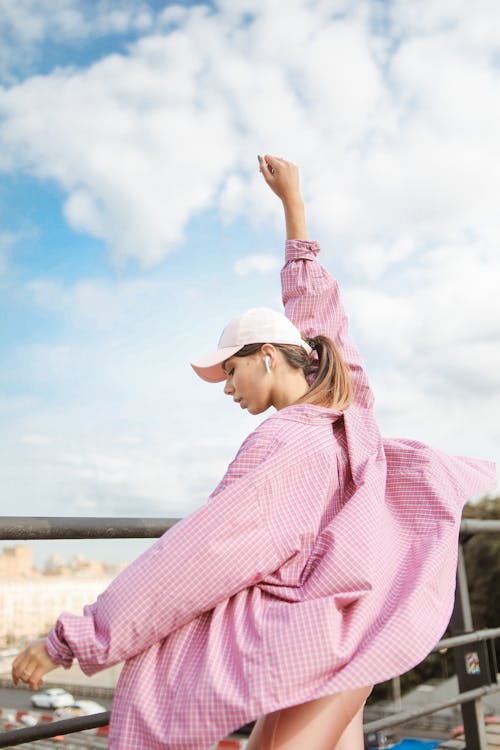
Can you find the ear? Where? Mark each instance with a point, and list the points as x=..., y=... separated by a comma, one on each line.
x=268, y=349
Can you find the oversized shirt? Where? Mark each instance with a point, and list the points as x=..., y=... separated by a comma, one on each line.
x=324, y=560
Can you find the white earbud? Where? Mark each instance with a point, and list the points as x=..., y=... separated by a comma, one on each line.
x=267, y=362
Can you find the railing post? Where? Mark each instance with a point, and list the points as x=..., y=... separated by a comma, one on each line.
x=472, y=663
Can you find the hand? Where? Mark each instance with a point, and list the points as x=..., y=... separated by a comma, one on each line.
x=32, y=664
x=282, y=177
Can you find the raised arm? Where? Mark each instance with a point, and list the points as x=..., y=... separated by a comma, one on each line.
x=311, y=296
x=283, y=179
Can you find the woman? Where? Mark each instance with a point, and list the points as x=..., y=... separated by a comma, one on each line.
x=324, y=562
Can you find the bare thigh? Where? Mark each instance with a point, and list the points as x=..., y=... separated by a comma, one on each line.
x=315, y=725
x=353, y=738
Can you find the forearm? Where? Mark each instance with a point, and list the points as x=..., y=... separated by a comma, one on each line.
x=209, y=556
x=283, y=179
x=295, y=218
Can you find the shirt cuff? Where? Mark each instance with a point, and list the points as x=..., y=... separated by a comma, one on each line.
x=301, y=249
x=57, y=648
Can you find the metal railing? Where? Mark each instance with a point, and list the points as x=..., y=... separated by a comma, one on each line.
x=48, y=527
x=14, y=737
x=402, y=717
x=22, y=528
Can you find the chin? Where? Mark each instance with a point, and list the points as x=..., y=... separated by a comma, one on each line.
x=257, y=409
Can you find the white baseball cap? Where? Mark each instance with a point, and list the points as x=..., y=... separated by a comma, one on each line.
x=260, y=325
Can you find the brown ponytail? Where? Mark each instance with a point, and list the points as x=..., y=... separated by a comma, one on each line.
x=331, y=386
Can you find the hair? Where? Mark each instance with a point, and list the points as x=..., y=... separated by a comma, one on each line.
x=331, y=386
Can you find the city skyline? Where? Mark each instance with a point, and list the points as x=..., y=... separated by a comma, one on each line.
x=17, y=561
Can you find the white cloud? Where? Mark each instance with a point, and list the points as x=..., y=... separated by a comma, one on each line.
x=101, y=305
x=258, y=263
x=27, y=25
x=390, y=143
x=133, y=163
x=187, y=108
x=82, y=462
x=371, y=260
x=436, y=315
x=36, y=439
x=114, y=422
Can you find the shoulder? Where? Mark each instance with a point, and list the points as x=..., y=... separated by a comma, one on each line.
x=293, y=439
x=283, y=425
x=302, y=428
x=300, y=418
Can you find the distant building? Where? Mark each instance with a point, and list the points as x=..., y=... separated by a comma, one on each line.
x=80, y=566
x=31, y=600
x=16, y=561
x=29, y=607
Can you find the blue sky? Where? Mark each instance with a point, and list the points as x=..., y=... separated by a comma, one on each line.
x=135, y=224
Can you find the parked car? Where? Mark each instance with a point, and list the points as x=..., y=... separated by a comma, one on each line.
x=52, y=698
x=80, y=708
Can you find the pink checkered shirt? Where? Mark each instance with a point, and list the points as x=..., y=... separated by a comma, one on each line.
x=324, y=560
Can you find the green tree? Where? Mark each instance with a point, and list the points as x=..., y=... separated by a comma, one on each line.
x=482, y=563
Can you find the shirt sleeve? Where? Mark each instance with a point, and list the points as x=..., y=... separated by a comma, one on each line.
x=311, y=298
x=216, y=551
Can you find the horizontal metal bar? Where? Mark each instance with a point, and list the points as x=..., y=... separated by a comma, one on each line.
x=472, y=637
x=476, y=526
x=52, y=527
x=53, y=729
x=404, y=716
x=70, y=527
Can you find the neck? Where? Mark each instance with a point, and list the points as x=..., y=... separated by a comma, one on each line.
x=293, y=387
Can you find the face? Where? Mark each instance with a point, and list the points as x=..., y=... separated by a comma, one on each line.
x=247, y=384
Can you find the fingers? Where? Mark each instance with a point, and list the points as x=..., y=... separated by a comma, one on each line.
x=23, y=668
x=31, y=664
x=36, y=678
x=19, y=667
x=282, y=177
x=270, y=167
x=266, y=168
x=270, y=164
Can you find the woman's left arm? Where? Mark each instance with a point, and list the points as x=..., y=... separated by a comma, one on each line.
x=216, y=551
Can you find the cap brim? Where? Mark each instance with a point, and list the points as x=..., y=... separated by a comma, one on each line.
x=209, y=368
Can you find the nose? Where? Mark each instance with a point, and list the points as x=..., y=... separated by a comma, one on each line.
x=228, y=388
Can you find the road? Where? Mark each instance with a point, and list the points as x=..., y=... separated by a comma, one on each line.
x=14, y=698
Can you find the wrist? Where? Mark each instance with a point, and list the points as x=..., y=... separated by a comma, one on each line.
x=293, y=202
x=295, y=220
